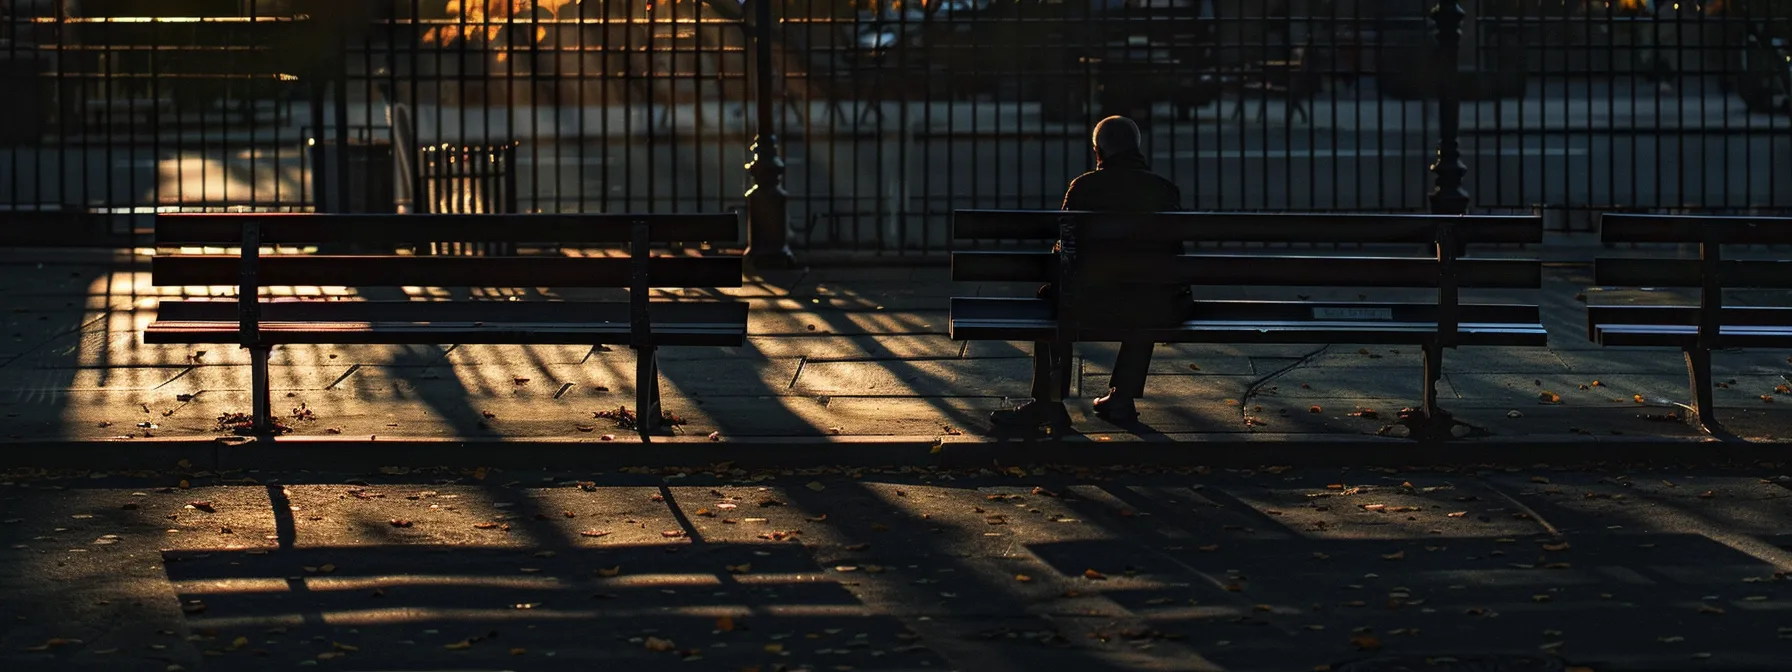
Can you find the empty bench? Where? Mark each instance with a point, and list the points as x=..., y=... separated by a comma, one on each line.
x=1446, y=322
x=1711, y=324
x=259, y=324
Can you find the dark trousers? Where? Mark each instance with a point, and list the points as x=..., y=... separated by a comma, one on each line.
x=1140, y=306
x=1130, y=368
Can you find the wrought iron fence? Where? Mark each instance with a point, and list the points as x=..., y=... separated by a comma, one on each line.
x=891, y=114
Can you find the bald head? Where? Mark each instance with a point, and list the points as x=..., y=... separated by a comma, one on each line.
x=1116, y=135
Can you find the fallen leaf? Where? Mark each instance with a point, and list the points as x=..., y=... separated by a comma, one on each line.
x=1315, y=409
x=1708, y=609
x=816, y=486
x=1023, y=578
x=1563, y=546
x=657, y=644
x=774, y=648
x=1396, y=555
x=203, y=506
x=461, y=645
x=485, y=525
x=1637, y=398
x=1365, y=643
x=1456, y=514
x=595, y=533
x=739, y=569
x=672, y=534
x=609, y=571
x=400, y=522
x=725, y=623
x=1093, y=575
x=1549, y=397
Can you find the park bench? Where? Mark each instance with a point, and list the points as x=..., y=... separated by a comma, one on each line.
x=259, y=324
x=1446, y=322
x=1695, y=329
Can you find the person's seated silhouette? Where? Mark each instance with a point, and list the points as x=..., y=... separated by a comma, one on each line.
x=1121, y=182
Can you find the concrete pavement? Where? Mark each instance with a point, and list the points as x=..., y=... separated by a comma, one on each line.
x=854, y=362
x=1267, y=569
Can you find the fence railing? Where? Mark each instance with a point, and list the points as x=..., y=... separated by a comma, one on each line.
x=889, y=115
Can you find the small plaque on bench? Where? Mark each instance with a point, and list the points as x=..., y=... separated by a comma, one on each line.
x=1335, y=313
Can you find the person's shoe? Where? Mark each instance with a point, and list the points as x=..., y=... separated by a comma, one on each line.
x=1116, y=408
x=1030, y=416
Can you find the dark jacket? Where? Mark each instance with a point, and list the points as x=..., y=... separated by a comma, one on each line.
x=1125, y=183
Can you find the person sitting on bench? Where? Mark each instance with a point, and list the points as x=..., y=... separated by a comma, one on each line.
x=1121, y=182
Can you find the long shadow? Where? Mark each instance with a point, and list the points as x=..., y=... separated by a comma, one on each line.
x=769, y=406
x=1234, y=582
x=51, y=337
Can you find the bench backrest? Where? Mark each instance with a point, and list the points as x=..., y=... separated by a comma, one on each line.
x=1446, y=233
x=250, y=231
x=1710, y=270
x=1711, y=273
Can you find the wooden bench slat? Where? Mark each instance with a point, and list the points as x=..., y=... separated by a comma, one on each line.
x=1744, y=316
x=1256, y=270
x=392, y=271
x=1414, y=333
x=378, y=229
x=1251, y=227
x=427, y=333
x=991, y=308
x=540, y=312
x=1612, y=272
x=1687, y=336
x=1257, y=321
x=1737, y=230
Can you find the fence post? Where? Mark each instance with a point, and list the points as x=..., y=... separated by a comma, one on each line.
x=1449, y=197
x=768, y=226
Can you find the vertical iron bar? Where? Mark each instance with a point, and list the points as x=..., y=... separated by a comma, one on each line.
x=768, y=230
x=339, y=71
x=1449, y=197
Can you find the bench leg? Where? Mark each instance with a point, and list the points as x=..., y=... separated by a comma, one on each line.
x=647, y=389
x=260, y=395
x=1435, y=422
x=1704, y=408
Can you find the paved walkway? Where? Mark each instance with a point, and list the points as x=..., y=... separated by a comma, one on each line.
x=1265, y=570
x=835, y=356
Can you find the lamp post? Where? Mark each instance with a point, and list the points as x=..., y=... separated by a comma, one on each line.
x=768, y=225
x=1449, y=196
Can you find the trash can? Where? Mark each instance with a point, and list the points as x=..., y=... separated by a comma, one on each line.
x=371, y=177
x=23, y=80
x=467, y=179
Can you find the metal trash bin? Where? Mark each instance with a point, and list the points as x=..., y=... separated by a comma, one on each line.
x=475, y=179
x=22, y=119
x=371, y=177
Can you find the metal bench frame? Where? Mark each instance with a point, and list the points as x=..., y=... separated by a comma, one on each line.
x=642, y=324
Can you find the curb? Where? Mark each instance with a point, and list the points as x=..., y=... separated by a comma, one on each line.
x=1231, y=451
